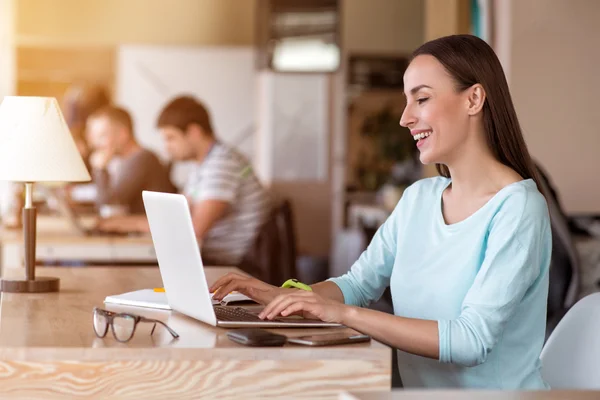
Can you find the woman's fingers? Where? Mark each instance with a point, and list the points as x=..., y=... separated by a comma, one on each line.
x=272, y=304
x=238, y=284
x=281, y=302
x=250, y=287
x=261, y=295
x=298, y=307
x=225, y=279
x=225, y=290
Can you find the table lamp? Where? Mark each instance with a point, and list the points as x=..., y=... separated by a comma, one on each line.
x=35, y=146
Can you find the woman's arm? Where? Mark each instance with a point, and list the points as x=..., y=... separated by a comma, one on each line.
x=370, y=274
x=329, y=290
x=411, y=335
x=515, y=263
x=416, y=336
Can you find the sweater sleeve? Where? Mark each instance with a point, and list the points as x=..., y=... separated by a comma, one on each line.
x=370, y=274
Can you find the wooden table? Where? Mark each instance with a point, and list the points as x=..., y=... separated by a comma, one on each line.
x=58, y=242
x=473, y=395
x=48, y=349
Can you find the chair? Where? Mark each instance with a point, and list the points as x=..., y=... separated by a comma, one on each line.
x=272, y=257
x=564, y=271
x=571, y=356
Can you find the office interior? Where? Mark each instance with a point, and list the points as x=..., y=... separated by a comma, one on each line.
x=315, y=110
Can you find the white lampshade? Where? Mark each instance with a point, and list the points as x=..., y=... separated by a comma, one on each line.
x=36, y=144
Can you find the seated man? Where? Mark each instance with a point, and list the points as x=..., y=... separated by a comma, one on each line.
x=138, y=168
x=227, y=201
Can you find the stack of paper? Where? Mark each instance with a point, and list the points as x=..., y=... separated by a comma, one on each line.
x=141, y=298
x=150, y=298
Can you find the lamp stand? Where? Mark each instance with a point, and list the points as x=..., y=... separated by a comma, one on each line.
x=30, y=284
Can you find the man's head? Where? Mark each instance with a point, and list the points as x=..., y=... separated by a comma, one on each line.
x=186, y=128
x=110, y=129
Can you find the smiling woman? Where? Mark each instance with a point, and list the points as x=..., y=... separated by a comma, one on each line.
x=466, y=254
x=502, y=131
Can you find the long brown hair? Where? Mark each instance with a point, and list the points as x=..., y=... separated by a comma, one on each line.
x=470, y=60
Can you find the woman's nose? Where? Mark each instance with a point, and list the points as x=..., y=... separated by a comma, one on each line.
x=407, y=119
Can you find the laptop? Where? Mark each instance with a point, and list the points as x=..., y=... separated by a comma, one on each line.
x=67, y=211
x=182, y=271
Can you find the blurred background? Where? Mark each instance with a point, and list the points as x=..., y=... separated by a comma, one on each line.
x=311, y=92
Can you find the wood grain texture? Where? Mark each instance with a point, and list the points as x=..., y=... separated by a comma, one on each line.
x=48, y=349
x=191, y=379
x=472, y=395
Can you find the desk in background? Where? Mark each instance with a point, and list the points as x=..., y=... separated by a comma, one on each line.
x=59, y=242
x=48, y=349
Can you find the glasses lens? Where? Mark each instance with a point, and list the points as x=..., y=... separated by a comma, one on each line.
x=123, y=327
x=100, y=323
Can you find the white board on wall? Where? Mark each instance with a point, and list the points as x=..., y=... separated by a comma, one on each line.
x=301, y=127
x=293, y=136
x=224, y=78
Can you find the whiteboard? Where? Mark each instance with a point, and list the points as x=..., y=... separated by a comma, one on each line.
x=300, y=127
x=223, y=78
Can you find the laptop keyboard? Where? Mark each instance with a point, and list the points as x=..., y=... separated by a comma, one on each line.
x=239, y=314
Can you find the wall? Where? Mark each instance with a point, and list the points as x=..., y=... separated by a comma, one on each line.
x=554, y=81
x=446, y=17
x=110, y=22
x=6, y=48
x=61, y=42
x=7, y=60
x=383, y=26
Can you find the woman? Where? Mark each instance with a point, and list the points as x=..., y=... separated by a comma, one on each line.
x=466, y=254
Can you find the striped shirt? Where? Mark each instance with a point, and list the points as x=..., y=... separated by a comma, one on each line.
x=228, y=176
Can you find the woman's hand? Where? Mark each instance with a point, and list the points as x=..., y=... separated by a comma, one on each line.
x=258, y=291
x=305, y=303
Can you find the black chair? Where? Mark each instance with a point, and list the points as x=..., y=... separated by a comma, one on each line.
x=564, y=271
x=272, y=257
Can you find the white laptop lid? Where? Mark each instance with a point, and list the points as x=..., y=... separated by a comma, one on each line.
x=178, y=255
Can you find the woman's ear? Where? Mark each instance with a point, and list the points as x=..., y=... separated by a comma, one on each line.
x=476, y=99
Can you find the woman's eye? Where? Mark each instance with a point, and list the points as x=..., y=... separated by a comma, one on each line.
x=422, y=100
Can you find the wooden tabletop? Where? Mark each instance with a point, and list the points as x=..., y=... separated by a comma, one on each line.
x=473, y=395
x=48, y=350
x=53, y=325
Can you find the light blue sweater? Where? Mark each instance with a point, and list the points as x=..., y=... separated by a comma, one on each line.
x=484, y=280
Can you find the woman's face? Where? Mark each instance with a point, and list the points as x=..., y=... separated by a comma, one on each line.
x=436, y=114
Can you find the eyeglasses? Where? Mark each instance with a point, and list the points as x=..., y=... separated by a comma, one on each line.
x=122, y=324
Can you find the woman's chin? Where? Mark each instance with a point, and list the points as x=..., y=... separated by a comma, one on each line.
x=426, y=158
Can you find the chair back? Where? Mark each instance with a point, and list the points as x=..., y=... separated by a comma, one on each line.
x=272, y=258
x=571, y=356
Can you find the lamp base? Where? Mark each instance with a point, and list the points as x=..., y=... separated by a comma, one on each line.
x=42, y=284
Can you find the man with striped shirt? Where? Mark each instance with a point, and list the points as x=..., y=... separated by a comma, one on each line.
x=228, y=203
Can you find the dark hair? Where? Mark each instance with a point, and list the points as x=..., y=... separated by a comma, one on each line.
x=183, y=111
x=115, y=114
x=470, y=60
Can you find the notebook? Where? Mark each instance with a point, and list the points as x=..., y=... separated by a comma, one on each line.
x=151, y=299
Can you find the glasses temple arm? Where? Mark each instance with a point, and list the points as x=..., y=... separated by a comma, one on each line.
x=155, y=321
